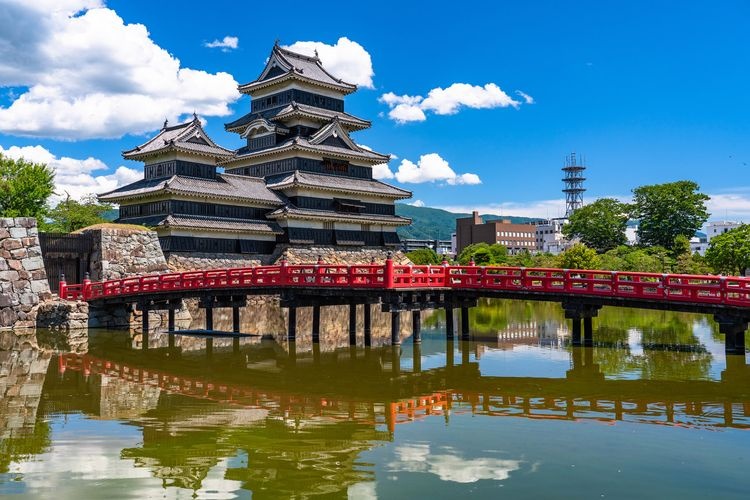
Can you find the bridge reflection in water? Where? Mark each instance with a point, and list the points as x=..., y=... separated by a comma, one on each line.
x=290, y=420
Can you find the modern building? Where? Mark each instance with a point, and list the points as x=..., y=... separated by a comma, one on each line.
x=549, y=237
x=300, y=179
x=515, y=237
x=441, y=247
x=717, y=228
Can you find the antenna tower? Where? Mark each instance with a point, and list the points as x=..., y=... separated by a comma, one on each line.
x=573, y=179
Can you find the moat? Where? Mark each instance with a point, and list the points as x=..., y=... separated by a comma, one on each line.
x=654, y=408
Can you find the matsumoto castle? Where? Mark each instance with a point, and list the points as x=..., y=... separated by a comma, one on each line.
x=300, y=180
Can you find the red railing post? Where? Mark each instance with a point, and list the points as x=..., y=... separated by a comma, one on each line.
x=282, y=270
x=446, y=272
x=86, y=287
x=388, y=271
x=63, y=288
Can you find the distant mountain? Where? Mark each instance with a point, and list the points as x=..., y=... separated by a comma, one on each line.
x=432, y=223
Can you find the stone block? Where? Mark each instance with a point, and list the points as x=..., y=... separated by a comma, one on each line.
x=32, y=263
x=7, y=317
x=26, y=222
x=39, y=286
x=13, y=264
x=18, y=232
x=3, y=265
x=4, y=233
x=5, y=300
x=12, y=244
x=19, y=253
x=8, y=275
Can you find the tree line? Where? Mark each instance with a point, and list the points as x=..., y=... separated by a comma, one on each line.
x=668, y=217
x=26, y=189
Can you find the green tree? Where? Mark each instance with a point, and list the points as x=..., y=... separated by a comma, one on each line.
x=668, y=210
x=599, y=225
x=729, y=252
x=70, y=215
x=25, y=188
x=579, y=256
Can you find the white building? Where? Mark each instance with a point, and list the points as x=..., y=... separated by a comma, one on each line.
x=549, y=237
x=720, y=227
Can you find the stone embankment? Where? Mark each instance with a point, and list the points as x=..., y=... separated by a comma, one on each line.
x=119, y=253
x=23, y=280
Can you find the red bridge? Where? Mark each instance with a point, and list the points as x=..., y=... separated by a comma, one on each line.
x=413, y=288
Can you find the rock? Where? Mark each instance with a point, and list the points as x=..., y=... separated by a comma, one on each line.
x=18, y=232
x=33, y=263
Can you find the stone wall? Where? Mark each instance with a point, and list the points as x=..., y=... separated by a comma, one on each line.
x=23, y=280
x=181, y=262
x=63, y=315
x=119, y=253
x=23, y=368
x=341, y=255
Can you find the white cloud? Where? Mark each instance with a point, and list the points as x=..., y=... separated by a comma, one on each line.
x=729, y=206
x=417, y=203
x=225, y=44
x=73, y=176
x=418, y=457
x=448, y=101
x=526, y=97
x=381, y=171
x=539, y=208
x=90, y=75
x=432, y=168
x=347, y=60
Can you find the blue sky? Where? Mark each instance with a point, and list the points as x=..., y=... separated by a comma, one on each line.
x=649, y=92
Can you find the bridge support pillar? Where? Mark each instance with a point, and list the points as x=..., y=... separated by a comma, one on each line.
x=733, y=328
x=465, y=323
x=465, y=352
x=316, y=324
x=417, y=358
x=368, y=325
x=209, y=347
x=576, y=331
x=416, y=325
x=576, y=311
x=236, y=319
x=236, y=345
x=209, y=318
x=588, y=331
x=170, y=320
x=170, y=340
x=449, y=322
x=291, y=335
x=450, y=352
x=395, y=327
x=396, y=359
x=352, y=324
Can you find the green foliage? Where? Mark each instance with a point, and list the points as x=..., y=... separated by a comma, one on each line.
x=599, y=225
x=424, y=256
x=729, y=252
x=579, y=256
x=24, y=188
x=668, y=210
x=483, y=254
x=70, y=215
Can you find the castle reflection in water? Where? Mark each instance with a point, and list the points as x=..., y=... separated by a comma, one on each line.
x=284, y=420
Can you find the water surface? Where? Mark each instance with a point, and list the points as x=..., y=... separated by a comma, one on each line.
x=655, y=409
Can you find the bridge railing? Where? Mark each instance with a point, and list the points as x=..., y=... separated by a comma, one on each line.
x=734, y=291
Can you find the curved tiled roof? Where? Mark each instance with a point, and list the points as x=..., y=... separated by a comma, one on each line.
x=296, y=66
x=295, y=109
x=289, y=211
x=231, y=186
x=187, y=137
x=339, y=184
x=221, y=224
